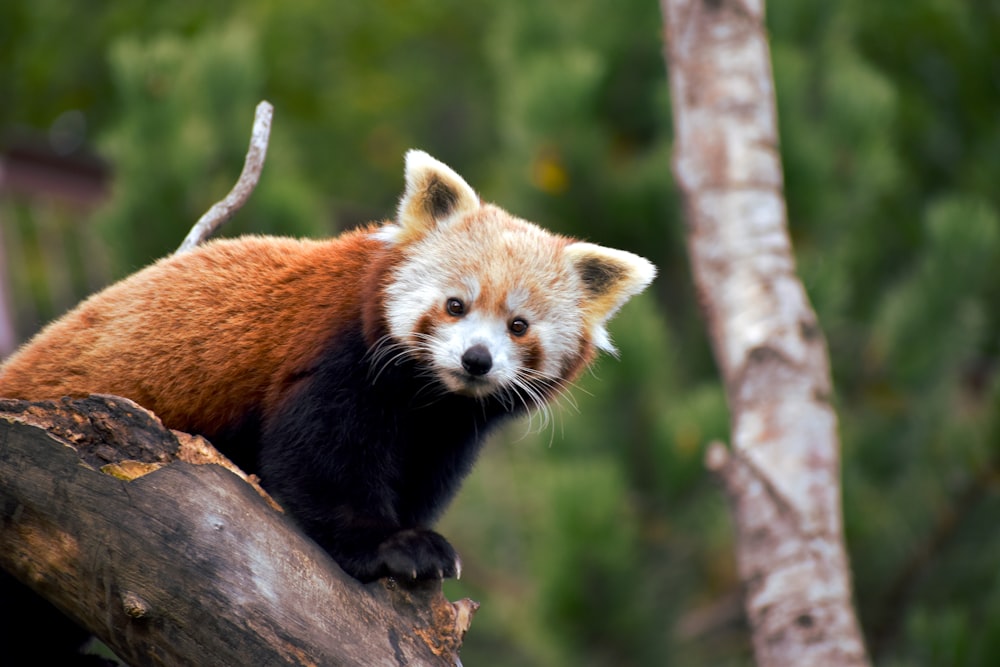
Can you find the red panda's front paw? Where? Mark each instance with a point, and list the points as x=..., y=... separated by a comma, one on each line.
x=419, y=554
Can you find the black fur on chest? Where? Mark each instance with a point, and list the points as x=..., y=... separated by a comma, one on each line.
x=361, y=449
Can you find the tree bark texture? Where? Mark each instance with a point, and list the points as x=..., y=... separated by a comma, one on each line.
x=782, y=473
x=109, y=515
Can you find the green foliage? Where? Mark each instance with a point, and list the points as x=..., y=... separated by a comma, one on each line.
x=598, y=538
x=186, y=108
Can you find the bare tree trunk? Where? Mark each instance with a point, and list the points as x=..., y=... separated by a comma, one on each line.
x=782, y=474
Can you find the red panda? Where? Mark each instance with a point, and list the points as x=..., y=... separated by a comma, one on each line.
x=357, y=376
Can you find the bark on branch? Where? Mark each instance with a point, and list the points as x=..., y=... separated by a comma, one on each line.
x=782, y=473
x=109, y=515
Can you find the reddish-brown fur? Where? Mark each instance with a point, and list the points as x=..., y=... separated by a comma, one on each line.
x=177, y=352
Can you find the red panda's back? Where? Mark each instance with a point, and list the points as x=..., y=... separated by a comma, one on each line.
x=201, y=337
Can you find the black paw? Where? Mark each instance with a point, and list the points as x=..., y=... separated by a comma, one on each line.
x=418, y=554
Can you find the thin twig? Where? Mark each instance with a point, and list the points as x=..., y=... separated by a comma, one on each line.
x=223, y=210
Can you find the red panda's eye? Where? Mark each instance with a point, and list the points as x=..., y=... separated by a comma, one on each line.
x=518, y=327
x=455, y=307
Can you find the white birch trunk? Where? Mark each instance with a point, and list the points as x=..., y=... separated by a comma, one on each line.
x=782, y=473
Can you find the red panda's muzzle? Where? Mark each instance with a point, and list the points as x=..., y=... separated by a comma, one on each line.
x=477, y=360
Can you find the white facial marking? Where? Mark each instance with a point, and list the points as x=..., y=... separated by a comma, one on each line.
x=517, y=302
x=453, y=340
x=470, y=286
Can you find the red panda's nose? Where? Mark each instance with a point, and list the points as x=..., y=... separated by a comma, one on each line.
x=477, y=360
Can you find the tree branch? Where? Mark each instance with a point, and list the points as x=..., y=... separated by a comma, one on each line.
x=782, y=474
x=105, y=513
x=223, y=210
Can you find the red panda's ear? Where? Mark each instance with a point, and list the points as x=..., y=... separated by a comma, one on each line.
x=610, y=278
x=434, y=193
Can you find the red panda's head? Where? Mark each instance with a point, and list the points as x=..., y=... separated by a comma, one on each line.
x=491, y=303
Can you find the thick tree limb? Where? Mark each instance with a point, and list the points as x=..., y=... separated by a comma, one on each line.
x=223, y=210
x=782, y=474
x=172, y=563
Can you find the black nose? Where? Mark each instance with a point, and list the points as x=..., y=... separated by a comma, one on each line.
x=477, y=360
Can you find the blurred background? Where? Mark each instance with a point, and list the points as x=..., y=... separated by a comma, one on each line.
x=597, y=539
